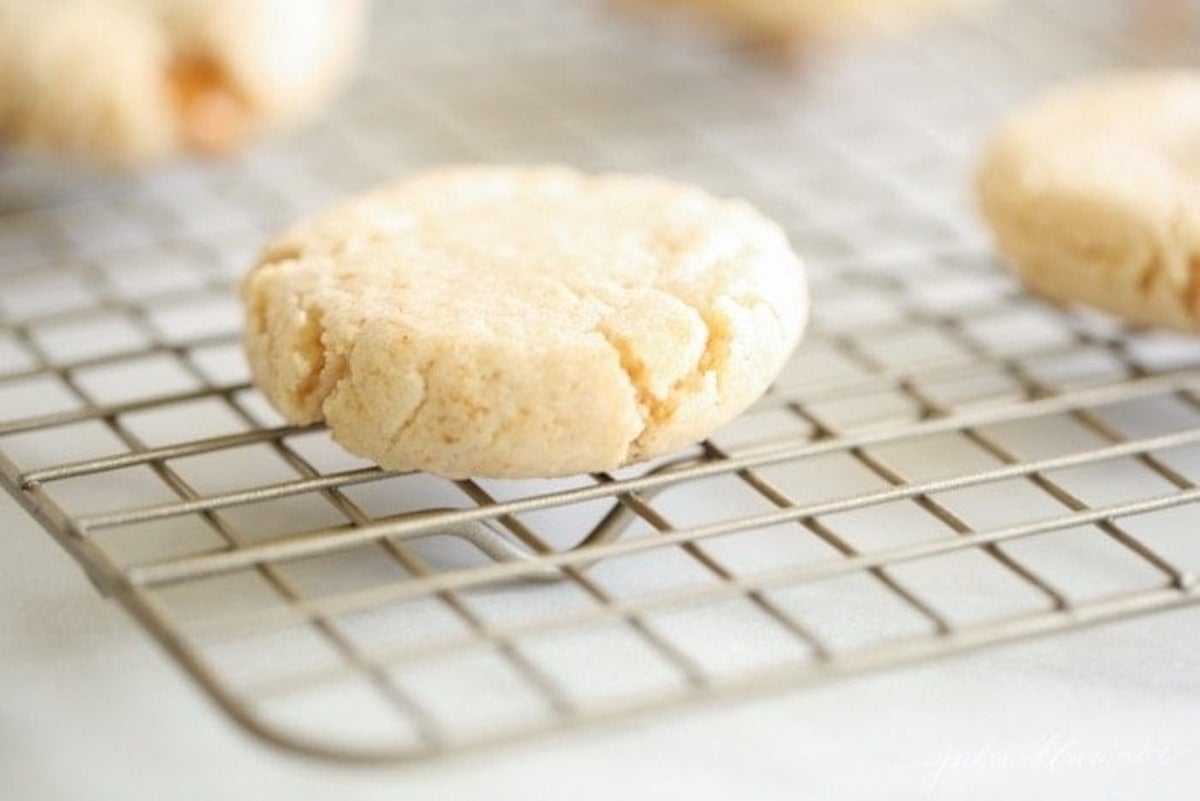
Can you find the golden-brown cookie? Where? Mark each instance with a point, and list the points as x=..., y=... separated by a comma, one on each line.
x=523, y=322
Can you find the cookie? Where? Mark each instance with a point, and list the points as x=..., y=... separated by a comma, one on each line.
x=128, y=81
x=523, y=322
x=783, y=25
x=1093, y=195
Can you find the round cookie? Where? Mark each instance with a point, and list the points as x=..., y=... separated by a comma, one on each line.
x=783, y=25
x=128, y=81
x=1093, y=194
x=523, y=322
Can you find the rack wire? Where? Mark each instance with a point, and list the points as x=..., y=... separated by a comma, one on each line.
x=947, y=462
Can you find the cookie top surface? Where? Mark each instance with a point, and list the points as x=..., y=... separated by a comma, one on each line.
x=1093, y=192
x=523, y=321
x=125, y=81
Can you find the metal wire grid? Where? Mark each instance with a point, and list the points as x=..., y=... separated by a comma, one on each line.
x=946, y=463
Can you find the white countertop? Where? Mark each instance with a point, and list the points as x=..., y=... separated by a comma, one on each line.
x=90, y=709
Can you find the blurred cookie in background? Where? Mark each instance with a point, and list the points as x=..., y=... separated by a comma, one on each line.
x=1092, y=192
x=122, y=82
x=783, y=27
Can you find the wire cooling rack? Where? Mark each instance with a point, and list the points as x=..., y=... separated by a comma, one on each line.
x=946, y=463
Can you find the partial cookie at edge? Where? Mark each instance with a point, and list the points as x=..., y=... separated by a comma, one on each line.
x=1093, y=194
x=131, y=81
x=782, y=26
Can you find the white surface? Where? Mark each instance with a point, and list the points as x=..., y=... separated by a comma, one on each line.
x=89, y=709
